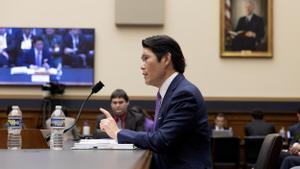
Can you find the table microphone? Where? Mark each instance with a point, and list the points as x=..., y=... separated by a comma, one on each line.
x=97, y=87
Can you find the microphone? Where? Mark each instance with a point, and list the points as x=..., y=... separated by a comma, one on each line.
x=96, y=88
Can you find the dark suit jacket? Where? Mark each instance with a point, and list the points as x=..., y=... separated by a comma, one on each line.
x=182, y=136
x=259, y=128
x=295, y=132
x=255, y=25
x=133, y=121
x=28, y=58
x=73, y=59
x=11, y=49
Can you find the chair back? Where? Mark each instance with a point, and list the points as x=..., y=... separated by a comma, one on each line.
x=269, y=152
x=252, y=147
x=225, y=152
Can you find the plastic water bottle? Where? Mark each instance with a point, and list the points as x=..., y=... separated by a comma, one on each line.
x=86, y=129
x=57, y=128
x=14, y=128
x=282, y=133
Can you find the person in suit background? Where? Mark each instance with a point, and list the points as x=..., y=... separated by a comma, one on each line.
x=181, y=136
x=7, y=48
x=220, y=122
x=54, y=44
x=294, y=130
x=149, y=123
x=37, y=56
x=250, y=30
x=75, y=49
x=258, y=127
x=292, y=156
x=125, y=118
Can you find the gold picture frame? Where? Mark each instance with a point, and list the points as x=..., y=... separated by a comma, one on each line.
x=246, y=28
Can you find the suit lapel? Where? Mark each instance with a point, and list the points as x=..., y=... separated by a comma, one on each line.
x=167, y=99
x=129, y=121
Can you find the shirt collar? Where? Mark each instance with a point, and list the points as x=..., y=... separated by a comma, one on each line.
x=249, y=17
x=164, y=87
x=122, y=117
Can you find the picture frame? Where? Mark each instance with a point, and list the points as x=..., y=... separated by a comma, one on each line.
x=246, y=28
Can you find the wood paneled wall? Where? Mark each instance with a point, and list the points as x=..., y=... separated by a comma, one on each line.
x=236, y=120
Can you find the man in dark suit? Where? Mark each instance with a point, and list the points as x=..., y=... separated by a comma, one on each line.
x=181, y=136
x=250, y=30
x=220, y=123
x=294, y=130
x=127, y=119
x=258, y=127
x=37, y=56
x=292, y=157
x=7, y=48
x=75, y=49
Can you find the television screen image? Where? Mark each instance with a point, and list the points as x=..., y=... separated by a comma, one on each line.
x=35, y=56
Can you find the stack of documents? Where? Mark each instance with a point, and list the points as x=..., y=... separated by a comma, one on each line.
x=104, y=144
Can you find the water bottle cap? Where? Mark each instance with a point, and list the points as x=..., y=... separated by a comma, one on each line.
x=58, y=107
x=15, y=107
x=85, y=123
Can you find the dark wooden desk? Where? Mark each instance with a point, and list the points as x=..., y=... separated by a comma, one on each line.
x=75, y=159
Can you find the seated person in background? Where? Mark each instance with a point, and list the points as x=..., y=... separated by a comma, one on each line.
x=148, y=125
x=37, y=56
x=250, y=30
x=54, y=43
x=220, y=129
x=291, y=158
x=258, y=127
x=294, y=130
x=220, y=122
x=124, y=117
x=7, y=47
x=75, y=49
x=73, y=134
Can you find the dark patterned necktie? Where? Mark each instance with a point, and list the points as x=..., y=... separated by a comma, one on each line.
x=157, y=108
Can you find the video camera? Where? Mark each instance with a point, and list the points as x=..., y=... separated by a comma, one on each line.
x=54, y=88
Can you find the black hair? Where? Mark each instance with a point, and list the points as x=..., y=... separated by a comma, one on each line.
x=257, y=114
x=37, y=38
x=119, y=93
x=220, y=115
x=161, y=45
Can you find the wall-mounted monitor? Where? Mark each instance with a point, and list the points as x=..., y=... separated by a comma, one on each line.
x=35, y=56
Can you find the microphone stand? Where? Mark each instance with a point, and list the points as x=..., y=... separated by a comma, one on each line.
x=95, y=89
x=79, y=113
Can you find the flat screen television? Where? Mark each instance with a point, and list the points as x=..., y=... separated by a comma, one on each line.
x=37, y=56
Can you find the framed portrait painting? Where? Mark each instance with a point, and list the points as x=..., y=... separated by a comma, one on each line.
x=246, y=28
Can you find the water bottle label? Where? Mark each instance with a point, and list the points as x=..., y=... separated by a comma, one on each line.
x=14, y=122
x=57, y=122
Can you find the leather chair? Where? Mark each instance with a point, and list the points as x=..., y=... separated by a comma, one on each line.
x=269, y=152
x=252, y=147
x=225, y=152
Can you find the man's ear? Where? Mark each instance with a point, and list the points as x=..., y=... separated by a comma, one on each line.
x=167, y=58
